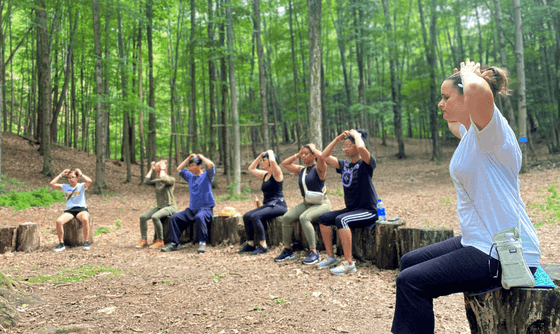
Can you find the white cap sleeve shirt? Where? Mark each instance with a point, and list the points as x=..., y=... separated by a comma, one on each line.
x=485, y=169
x=78, y=198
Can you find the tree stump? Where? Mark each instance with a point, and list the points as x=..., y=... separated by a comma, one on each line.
x=224, y=229
x=8, y=239
x=272, y=232
x=410, y=238
x=74, y=235
x=28, y=237
x=165, y=226
x=386, y=254
x=514, y=311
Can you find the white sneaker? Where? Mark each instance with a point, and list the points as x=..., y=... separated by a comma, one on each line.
x=344, y=268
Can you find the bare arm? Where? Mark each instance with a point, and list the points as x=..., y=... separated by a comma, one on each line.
x=361, y=146
x=326, y=155
x=184, y=163
x=276, y=170
x=253, y=167
x=54, y=183
x=85, y=177
x=289, y=164
x=206, y=161
x=478, y=95
x=321, y=164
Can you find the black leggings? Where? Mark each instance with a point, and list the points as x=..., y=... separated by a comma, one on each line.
x=253, y=219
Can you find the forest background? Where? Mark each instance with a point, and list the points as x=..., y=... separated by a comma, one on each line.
x=145, y=79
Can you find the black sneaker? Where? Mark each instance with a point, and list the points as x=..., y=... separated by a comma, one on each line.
x=60, y=247
x=287, y=254
x=260, y=250
x=170, y=247
x=247, y=248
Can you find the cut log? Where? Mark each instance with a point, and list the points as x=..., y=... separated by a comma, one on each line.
x=514, y=311
x=8, y=239
x=272, y=232
x=225, y=229
x=28, y=237
x=411, y=238
x=363, y=244
x=386, y=255
x=165, y=225
x=74, y=235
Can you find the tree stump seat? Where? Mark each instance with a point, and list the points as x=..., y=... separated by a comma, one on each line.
x=517, y=310
x=220, y=230
x=8, y=239
x=28, y=237
x=74, y=235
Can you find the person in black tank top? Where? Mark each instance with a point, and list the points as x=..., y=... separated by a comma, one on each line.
x=315, y=170
x=273, y=202
x=359, y=196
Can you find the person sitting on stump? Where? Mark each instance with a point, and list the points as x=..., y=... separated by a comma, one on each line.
x=313, y=173
x=359, y=196
x=273, y=202
x=166, y=205
x=75, y=204
x=201, y=202
x=485, y=171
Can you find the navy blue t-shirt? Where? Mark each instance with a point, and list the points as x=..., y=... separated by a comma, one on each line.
x=312, y=180
x=359, y=192
x=271, y=189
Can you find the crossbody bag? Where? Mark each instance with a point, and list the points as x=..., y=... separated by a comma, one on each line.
x=312, y=197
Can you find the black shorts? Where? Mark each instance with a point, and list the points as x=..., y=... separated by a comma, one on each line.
x=75, y=210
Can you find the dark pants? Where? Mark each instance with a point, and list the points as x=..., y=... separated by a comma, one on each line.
x=181, y=220
x=253, y=219
x=347, y=218
x=439, y=270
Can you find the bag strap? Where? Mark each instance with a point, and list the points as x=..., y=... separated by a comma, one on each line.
x=303, y=179
x=72, y=193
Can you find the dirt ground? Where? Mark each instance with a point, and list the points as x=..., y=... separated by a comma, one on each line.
x=221, y=291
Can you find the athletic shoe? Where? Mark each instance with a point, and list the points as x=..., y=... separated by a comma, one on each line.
x=247, y=248
x=170, y=247
x=259, y=250
x=287, y=254
x=158, y=243
x=201, y=248
x=143, y=243
x=86, y=246
x=344, y=268
x=60, y=247
x=329, y=262
x=311, y=258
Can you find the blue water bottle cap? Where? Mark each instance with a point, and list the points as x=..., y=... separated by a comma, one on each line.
x=522, y=139
x=379, y=199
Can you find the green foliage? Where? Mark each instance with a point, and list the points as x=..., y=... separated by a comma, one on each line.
x=335, y=192
x=230, y=196
x=551, y=208
x=446, y=201
x=70, y=275
x=43, y=197
x=216, y=277
x=108, y=229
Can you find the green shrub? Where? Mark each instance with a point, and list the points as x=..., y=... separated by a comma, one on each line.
x=23, y=200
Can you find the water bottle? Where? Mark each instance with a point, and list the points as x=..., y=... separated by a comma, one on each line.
x=381, y=211
x=509, y=237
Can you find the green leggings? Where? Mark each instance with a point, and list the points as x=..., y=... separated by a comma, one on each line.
x=306, y=213
x=155, y=214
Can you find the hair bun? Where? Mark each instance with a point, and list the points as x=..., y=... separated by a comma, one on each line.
x=363, y=132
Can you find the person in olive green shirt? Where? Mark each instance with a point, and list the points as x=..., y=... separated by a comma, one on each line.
x=166, y=205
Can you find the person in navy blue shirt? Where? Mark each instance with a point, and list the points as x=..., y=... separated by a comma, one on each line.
x=359, y=196
x=273, y=202
x=201, y=202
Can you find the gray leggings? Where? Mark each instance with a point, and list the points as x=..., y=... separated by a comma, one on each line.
x=155, y=214
x=306, y=213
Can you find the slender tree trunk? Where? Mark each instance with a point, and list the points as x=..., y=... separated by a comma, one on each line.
x=295, y=76
x=124, y=83
x=315, y=102
x=234, y=111
x=262, y=75
x=141, y=98
x=193, y=124
x=225, y=119
x=253, y=129
x=101, y=132
x=338, y=24
x=395, y=85
x=151, y=145
x=107, y=75
x=211, y=86
x=520, y=65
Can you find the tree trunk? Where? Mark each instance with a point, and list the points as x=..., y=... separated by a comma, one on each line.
x=141, y=98
x=193, y=128
x=44, y=83
x=211, y=86
x=262, y=75
x=124, y=84
x=520, y=65
x=225, y=121
x=106, y=76
x=28, y=236
x=151, y=144
x=395, y=85
x=100, y=130
x=315, y=105
x=295, y=76
x=234, y=111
